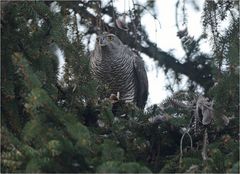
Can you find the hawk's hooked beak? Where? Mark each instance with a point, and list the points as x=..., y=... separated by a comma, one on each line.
x=101, y=41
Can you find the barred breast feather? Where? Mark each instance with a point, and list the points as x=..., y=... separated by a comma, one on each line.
x=123, y=71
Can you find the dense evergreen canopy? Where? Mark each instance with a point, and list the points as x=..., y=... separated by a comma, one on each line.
x=52, y=124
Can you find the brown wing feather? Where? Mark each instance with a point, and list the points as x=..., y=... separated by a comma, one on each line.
x=141, y=81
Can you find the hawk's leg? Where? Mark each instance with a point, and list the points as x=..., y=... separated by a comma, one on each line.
x=117, y=104
x=114, y=98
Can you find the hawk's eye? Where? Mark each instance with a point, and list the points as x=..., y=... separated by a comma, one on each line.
x=110, y=38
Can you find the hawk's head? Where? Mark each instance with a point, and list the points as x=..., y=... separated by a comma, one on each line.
x=108, y=41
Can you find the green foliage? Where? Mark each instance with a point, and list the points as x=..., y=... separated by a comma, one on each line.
x=117, y=167
x=111, y=152
x=57, y=124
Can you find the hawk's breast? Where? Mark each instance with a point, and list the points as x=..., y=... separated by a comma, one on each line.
x=118, y=73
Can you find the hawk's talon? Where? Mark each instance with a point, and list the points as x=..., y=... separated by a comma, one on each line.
x=114, y=98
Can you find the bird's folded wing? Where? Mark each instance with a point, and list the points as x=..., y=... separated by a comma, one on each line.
x=141, y=81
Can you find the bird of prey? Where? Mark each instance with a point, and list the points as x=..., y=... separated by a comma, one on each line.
x=117, y=66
